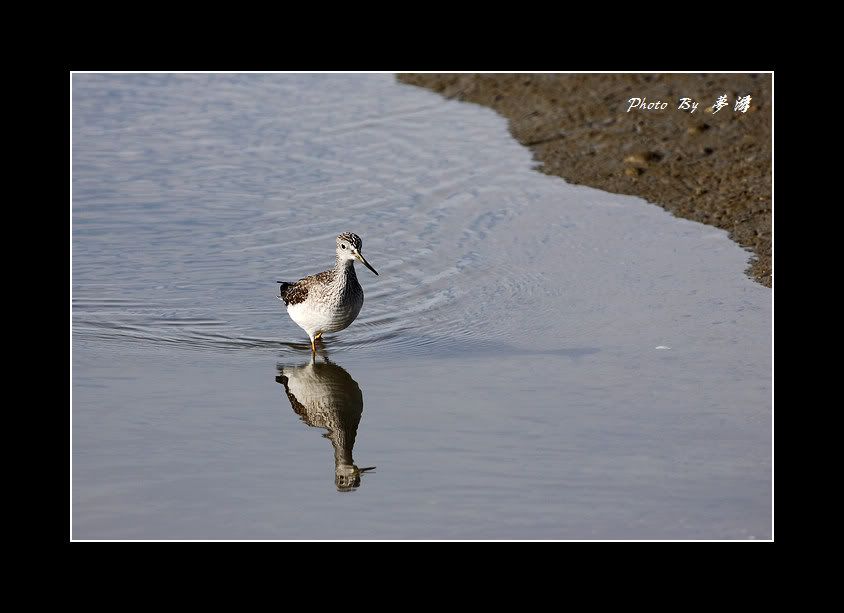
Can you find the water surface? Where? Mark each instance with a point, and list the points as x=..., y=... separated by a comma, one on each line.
x=535, y=360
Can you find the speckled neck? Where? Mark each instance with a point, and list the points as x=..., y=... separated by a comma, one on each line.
x=345, y=272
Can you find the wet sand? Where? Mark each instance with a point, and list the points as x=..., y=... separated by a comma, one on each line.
x=714, y=168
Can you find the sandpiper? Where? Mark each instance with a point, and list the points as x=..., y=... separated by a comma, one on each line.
x=331, y=300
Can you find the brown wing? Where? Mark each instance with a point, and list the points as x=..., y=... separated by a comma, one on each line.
x=294, y=293
x=298, y=408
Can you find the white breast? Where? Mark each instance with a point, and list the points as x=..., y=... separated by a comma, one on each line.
x=325, y=316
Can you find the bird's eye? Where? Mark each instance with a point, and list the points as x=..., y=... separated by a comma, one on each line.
x=342, y=246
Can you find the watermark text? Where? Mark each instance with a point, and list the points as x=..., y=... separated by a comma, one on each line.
x=689, y=105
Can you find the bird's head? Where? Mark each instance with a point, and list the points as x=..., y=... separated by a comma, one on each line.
x=349, y=247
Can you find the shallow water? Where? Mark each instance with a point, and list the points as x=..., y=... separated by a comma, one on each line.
x=535, y=360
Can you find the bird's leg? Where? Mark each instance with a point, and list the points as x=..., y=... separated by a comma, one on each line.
x=318, y=334
x=313, y=347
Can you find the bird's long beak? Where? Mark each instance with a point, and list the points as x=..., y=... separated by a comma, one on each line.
x=364, y=262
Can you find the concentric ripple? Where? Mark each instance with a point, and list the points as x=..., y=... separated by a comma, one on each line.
x=184, y=219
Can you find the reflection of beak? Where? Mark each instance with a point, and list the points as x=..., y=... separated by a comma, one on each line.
x=364, y=262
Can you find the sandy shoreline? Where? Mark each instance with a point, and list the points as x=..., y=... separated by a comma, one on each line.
x=714, y=168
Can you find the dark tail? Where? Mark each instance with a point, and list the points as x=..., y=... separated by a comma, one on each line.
x=282, y=290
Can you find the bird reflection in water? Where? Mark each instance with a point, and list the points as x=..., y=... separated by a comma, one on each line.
x=324, y=395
